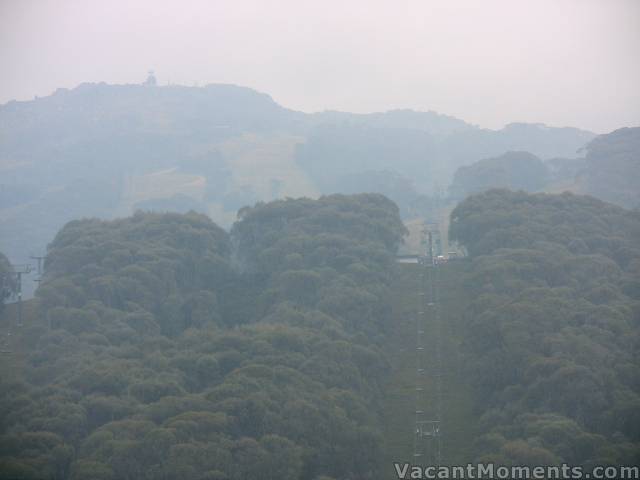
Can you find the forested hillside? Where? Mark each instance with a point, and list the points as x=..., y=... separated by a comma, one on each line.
x=220, y=273
x=513, y=170
x=613, y=167
x=165, y=347
x=161, y=351
x=552, y=327
x=104, y=151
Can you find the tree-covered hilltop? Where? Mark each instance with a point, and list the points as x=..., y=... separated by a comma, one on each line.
x=613, y=167
x=163, y=268
x=330, y=255
x=552, y=331
x=608, y=169
x=160, y=352
x=512, y=170
x=315, y=227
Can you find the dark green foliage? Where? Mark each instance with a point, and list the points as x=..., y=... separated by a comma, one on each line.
x=337, y=220
x=149, y=272
x=553, y=327
x=501, y=219
x=332, y=255
x=163, y=361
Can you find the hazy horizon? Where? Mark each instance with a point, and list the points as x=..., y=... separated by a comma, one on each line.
x=569, y=63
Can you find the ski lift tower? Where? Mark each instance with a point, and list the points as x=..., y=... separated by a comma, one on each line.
x=151, y=80
x=18, y=271
x=39, y=261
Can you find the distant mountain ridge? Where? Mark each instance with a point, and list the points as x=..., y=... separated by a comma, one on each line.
x=434, y=123
x=221, y=105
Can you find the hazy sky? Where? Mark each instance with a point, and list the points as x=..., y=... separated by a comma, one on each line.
x=490, y=62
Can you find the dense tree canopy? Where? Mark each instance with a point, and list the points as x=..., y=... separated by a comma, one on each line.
x=553, y=327
x=156, y=357
x=165, y=347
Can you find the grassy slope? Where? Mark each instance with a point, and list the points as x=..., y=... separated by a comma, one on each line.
x=457, y=418
x=256, y=161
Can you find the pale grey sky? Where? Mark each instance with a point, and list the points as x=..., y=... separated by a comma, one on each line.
x=490, y=62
